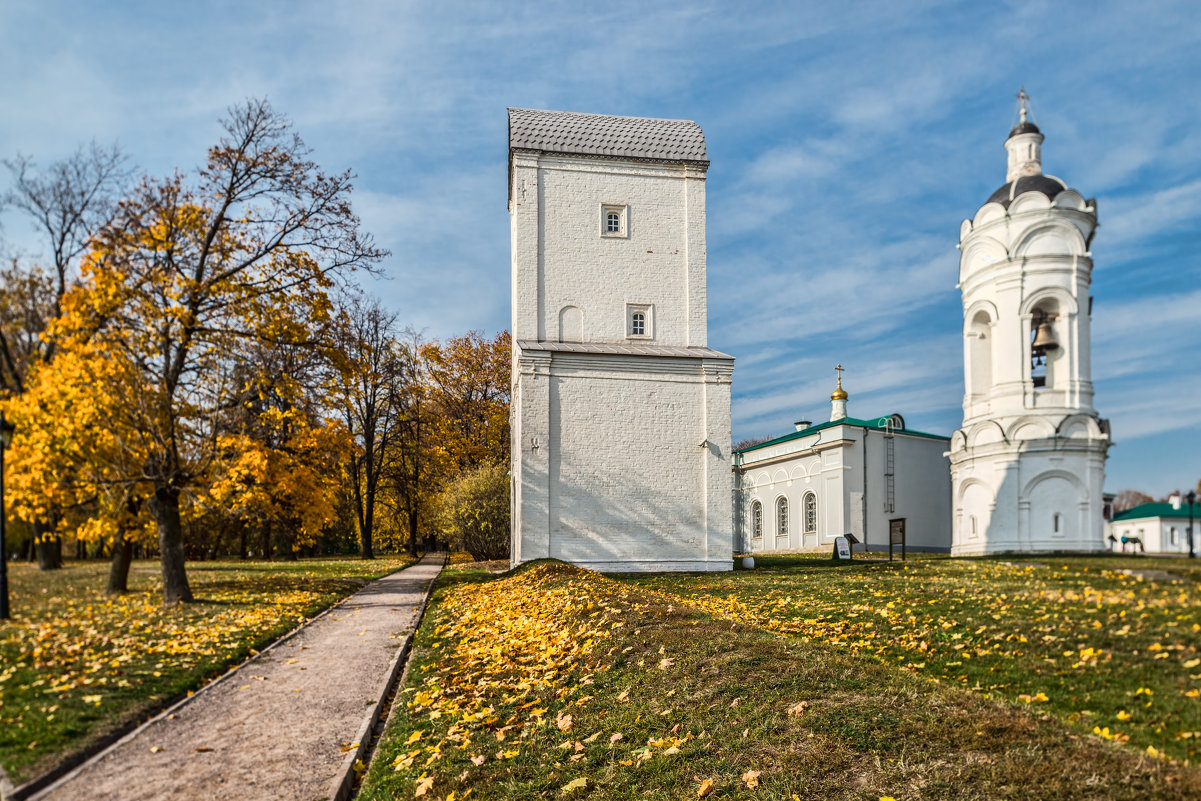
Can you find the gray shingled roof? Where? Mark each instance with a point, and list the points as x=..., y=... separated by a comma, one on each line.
x=602, y=135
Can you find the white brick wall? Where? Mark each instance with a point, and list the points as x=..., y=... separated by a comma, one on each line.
x=561, y=259
x=608, y=463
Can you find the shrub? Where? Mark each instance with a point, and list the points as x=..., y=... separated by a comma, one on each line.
x=474, y=512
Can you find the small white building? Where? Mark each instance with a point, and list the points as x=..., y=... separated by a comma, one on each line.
x=1028, y=463
x=620, y=411
x=871, y=478
x=1160, y=527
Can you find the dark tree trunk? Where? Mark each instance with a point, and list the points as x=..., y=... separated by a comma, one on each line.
x=170, y=546
x=26, y=552
x=265, y=542
x=118, y=572
x=412, y=532
x=48, y=547
x=241, y=541
x=365, y=532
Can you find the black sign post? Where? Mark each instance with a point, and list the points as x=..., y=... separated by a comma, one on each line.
x=896, y=536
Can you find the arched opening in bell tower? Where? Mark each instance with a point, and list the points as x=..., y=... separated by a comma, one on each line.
x=1044, y=344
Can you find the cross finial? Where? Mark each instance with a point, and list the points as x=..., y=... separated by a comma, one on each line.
x=1023, y=103
x=839, y=370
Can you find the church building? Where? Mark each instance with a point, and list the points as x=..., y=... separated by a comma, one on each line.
x=620, y=411
x=1028, y=463
x=875, y=479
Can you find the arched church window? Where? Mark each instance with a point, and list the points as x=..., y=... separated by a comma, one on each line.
x=638, y=324
x=1057, y=521
x=757, y=520
x=638, y=320
x=782, y=517
x=613, y=220
x=810, y=512
x=972, y=522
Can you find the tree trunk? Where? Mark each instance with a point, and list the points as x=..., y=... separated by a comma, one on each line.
x=242, y=541
x=412, y=532
x=118, y=572
x=265, y=542
x=26, y=552
x=48, y=547
x=170, y=546
x=365, y=532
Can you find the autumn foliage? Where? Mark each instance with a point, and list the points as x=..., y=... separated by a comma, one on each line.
x=198, y=374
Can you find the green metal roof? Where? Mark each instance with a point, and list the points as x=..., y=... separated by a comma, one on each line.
x=875, y=424
x=1157, y=510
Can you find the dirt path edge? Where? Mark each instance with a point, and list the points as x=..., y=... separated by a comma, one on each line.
x=72, y=763
x=342, y=787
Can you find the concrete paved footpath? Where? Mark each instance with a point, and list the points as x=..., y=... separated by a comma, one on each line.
x=275, y=728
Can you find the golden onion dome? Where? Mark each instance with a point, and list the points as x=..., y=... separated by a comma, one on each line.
x=839, y=393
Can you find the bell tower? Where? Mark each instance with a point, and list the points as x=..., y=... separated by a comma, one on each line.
x=1028, y=464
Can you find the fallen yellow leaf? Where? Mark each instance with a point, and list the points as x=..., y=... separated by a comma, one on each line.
x=573, y=785
x=706, y=787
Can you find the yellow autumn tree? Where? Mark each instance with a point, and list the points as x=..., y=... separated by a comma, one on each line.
x=189, y=274
x=469, y=386
x=286, y=482
x=77, y=454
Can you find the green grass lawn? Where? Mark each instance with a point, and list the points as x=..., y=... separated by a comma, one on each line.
x=1108, y=652
x=552, y=682
x=75, y=663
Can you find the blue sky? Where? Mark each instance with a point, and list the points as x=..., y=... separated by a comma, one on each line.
x=847, y=143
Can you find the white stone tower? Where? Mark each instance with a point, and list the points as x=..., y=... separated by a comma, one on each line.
x=620, y=412
x=1027, y=466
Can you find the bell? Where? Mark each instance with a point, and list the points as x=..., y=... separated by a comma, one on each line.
x=1044, y=339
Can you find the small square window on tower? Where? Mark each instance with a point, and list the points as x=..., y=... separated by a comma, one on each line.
x=613, y=219
x=638, y=321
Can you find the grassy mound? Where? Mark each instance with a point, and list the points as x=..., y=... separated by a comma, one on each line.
x=1112, y=652
x=552, y=682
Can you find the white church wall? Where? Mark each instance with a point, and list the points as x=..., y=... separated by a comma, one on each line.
x=791, y=471
x=830, y=465
x=921, y=495
x=652, y=262
x=620, y=461
x=625, y=465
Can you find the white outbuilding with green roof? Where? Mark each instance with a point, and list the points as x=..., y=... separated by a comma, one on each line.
x=874, y=479
x=1158, y=527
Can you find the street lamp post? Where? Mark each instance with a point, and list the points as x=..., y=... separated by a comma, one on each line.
x=6, y=436
x=1191, y=498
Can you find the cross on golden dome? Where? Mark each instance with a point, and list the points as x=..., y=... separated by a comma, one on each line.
x=839, y=393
